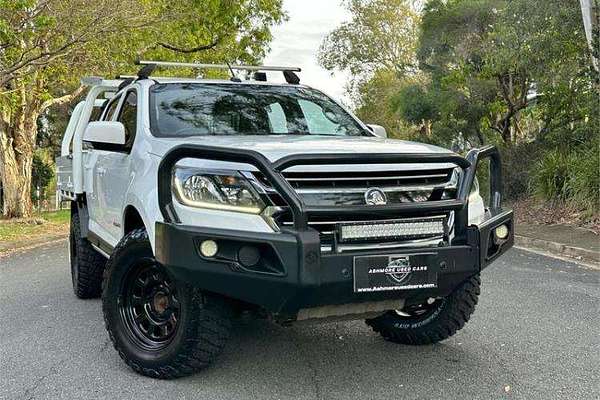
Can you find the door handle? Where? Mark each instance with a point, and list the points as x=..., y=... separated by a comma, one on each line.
x=101, y=171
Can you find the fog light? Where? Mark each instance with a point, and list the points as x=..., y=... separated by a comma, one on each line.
x=248, y=256
x=209, y=248
x=501, y=232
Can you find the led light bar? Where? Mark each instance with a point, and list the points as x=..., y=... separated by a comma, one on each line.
x=398, y=229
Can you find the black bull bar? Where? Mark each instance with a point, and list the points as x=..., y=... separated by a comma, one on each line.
x=301, y=212
x=308, y=277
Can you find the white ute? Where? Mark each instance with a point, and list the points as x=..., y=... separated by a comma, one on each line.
x=196, y=200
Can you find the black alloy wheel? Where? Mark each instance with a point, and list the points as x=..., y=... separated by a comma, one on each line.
x=160, y=326
x=149, y=306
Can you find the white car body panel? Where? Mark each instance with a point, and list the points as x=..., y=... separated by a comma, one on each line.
x=114, y=181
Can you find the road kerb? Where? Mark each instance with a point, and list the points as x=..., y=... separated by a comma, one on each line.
x=576, y=254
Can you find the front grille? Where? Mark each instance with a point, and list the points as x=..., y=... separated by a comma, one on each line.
x=306, y=181
x=346, y=188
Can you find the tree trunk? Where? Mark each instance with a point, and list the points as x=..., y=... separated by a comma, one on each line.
x=17, y=144
x=427, y=125
x=16, y=179
x=18, y=133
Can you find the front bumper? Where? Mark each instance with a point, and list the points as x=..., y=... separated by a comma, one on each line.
x=294, y=275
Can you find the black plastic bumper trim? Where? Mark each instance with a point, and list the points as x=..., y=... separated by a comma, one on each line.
x=309, y=278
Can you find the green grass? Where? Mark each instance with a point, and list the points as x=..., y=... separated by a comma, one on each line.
x=50, y=223
x=58, y=217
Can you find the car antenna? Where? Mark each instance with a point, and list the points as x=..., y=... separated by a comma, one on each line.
x=234, y=77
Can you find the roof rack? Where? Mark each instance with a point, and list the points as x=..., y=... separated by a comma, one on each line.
x=219, y=66
x=288, y=72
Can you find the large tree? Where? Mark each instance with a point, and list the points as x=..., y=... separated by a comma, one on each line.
x=378, y=47
x=497, y=64
x=489, y=70
x=380, y=35
x=47, y=45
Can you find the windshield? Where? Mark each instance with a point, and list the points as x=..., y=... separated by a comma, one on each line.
x=194, y=109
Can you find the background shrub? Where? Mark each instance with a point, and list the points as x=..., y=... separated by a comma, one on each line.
x=572, y=177
x=518, y=163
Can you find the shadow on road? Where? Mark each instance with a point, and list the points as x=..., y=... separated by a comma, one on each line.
x=347, y=359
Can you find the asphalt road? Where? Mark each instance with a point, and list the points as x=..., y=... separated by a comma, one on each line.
x=535, y=335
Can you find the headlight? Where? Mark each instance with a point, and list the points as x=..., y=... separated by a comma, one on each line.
x=222, y=190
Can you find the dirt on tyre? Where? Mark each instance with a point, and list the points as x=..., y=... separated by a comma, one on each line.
x=423, y=324
x=160, y=328
x=87, y=265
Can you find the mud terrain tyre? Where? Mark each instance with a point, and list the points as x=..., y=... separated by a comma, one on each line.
x=433, y=323
x=87, y=265
x=161, y=328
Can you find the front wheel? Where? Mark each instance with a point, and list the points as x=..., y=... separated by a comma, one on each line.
x=161, y=328
x=426, y=323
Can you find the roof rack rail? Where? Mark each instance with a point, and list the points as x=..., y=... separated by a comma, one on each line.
x=219, y=66
x=288, y=72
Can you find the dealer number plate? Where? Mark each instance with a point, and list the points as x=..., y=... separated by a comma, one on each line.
x=394, y=272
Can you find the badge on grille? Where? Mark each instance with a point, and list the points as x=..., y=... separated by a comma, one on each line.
x=375, y=197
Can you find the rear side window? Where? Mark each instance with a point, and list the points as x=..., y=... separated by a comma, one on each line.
x=128, y=117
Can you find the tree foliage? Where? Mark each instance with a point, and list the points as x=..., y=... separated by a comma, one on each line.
x=380, y=35
x=371, y=97
x=378, y=47
x=509, y=72
x=41, y=174
x=47, y=45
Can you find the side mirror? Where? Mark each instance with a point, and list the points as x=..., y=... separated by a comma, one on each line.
x=377, y=130
x=111, y=132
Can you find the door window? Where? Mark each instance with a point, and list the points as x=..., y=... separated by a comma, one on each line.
x=128, y=117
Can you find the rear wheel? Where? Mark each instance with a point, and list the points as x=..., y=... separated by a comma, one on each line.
x=87, y=265
x=432, y=322
x=160, y=327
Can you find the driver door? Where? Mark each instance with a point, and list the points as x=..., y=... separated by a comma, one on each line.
x=113, y=171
